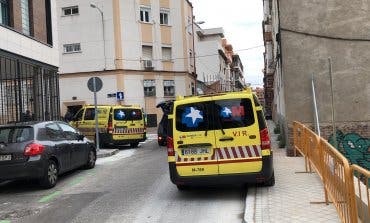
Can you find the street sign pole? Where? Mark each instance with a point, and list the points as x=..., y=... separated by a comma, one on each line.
x=95, y=84
x=96, y=116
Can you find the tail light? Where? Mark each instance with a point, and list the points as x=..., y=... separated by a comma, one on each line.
x=110, y=127
x=170, y=147
x=265, y=139
x=33, y=149
x=159, y=138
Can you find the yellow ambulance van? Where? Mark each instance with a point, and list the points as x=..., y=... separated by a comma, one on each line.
x=221, y=138
x=118, y=124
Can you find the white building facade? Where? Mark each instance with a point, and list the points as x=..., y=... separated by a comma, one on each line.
x=145, y=51
x=29, y=61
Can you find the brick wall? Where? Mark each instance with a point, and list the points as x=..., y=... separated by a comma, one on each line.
x=37, y=18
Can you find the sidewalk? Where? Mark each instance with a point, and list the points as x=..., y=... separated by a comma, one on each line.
x=289, y=200
x=106, y=152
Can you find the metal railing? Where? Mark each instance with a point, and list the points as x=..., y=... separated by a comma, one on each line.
x=336, y=173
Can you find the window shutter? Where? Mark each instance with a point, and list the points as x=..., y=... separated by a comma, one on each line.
x=147, y=52
x=166, y=53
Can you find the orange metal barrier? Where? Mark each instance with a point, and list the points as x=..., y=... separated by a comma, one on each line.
x=336, y=174
x=362, y=192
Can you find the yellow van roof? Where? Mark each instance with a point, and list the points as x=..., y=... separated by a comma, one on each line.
x=245, y=91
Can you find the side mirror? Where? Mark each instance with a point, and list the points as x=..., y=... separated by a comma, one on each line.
x=80, y=137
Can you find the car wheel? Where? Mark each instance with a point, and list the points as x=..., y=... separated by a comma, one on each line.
x=134, y=144
x=91, y=159
x=270, y=182
x=50, y=177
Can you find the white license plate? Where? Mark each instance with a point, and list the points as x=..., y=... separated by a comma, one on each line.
x=5, y=157
x=195, y=151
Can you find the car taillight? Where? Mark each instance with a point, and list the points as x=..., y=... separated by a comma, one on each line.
x=33, y=149
x=265, y=139
x=159, y=138
x=110, y=127
x=170, y=149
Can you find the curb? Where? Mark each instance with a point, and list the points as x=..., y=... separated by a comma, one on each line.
x=250, y=205
x=106, y=154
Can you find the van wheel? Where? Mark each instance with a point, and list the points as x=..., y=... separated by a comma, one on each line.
x=50, y=177
x=134, y=144
x=270, y=182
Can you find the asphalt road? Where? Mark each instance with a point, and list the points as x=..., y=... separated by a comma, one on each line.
x=132, y=186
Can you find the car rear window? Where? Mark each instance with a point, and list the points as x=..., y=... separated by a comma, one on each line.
x=124, y=114
x=234, y=113
x=16, y=134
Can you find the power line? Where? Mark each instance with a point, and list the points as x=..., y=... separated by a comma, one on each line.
x=325, y=36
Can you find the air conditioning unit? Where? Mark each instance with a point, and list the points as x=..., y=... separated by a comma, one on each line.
x=148, y=64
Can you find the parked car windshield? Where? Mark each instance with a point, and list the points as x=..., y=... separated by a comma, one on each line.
x=16, y=134
x=124, y=114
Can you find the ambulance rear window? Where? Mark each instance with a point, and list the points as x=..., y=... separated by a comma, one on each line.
x=123, y=114
x=192, y=117
x=234, y=113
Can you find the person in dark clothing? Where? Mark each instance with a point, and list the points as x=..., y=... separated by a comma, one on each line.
x=68, y=116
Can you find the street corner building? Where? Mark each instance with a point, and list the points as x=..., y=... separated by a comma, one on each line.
x=29, y=85
x=141, y=48
x=300, y=37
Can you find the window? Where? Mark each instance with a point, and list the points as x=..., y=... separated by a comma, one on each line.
x=147, y=52
x=51, y=132
x=164, y=16
x=25, y=11
x=16, y=134
x=69, y=132
x=73, y=10
x=72, y=48
x=4, y=12
x=234, y=113
x=145, y=14
x=127, y=114
x=149, y=88
x=169, y=88
x=166, y=53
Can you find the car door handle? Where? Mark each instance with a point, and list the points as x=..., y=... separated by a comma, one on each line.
x=226, y=139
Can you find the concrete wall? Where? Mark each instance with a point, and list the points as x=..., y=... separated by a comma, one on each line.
x=305, y=54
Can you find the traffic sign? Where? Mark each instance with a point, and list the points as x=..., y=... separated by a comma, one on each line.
x=120, y=96
x=95, y=84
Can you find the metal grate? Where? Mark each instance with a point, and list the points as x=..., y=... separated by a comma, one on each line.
x=29, y=90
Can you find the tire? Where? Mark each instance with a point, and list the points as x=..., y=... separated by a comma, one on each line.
x=270, y=182
x=134, y=144
x=91, y=158
x=182, y=187
x=50, y=177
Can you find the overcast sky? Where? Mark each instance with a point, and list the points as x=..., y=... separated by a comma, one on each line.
x=241, y=20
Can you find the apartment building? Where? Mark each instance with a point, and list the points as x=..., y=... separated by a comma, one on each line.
x=29, y=60
x=143, y=48
x=300, y=37
x=218, y=68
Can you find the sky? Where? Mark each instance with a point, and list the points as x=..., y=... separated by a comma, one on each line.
x=242, y=23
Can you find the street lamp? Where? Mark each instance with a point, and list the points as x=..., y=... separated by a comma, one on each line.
x=93, y=5
x=193, y=36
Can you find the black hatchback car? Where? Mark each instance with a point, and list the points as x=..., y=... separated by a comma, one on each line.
x=43, y=150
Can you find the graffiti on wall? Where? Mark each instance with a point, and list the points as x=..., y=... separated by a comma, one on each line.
x=354, y=147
